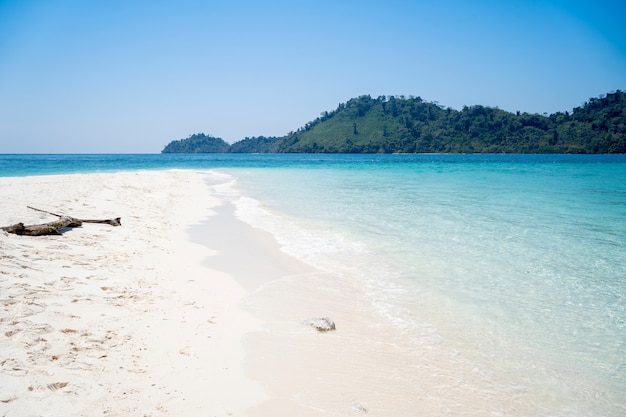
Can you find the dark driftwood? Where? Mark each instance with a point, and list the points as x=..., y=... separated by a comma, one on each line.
x=113, y=222
x=55, y=227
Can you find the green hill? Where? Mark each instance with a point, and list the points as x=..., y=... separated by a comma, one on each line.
x=198, y=143
x=411, y=125
x=259, y=144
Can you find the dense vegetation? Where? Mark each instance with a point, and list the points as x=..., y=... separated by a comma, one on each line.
x=198, y=143
x=410, y=125
x=259, y=144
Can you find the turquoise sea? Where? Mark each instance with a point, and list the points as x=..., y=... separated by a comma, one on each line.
x=517, y=261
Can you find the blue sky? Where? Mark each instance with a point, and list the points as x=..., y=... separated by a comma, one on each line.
x=130, y=76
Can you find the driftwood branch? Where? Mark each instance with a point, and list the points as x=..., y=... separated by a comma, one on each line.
x=113, y=222
x=55, y=227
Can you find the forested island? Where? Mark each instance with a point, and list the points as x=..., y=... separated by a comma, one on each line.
x=397, y=124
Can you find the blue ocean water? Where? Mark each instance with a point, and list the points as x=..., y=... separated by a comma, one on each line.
x=518, y=261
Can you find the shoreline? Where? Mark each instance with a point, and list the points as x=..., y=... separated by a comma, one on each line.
x=183, y=310
x=193, y=307
x=118, y=321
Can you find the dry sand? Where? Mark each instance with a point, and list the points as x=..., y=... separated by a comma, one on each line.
x=118, y=321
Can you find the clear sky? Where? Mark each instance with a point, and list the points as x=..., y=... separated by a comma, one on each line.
x=123, y=76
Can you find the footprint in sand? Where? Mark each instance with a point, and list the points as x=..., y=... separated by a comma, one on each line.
x=12, y=366
x=26, y=308
x=55, y=386
x=28, y=333
x=7, y=400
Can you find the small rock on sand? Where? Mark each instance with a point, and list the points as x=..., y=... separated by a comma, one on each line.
x=323, y=324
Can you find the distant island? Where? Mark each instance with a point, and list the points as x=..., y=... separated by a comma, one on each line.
x=397, y=124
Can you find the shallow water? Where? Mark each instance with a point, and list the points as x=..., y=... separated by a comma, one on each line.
x=515, y=265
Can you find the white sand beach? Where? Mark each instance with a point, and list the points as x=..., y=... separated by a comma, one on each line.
x=118, y=321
